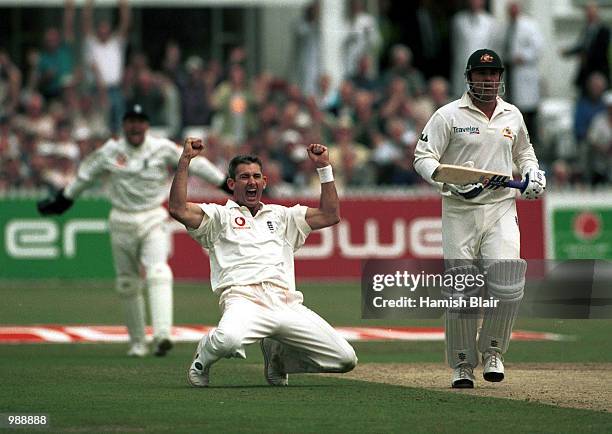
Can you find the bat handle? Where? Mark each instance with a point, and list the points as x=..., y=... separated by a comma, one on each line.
x=520, y=185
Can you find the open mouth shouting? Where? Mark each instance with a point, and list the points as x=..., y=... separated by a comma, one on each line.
x=251, y=193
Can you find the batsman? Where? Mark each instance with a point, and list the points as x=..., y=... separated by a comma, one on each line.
x=480, y=232
x=137, y=169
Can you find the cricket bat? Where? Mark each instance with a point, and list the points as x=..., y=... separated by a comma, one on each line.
x=461, y=175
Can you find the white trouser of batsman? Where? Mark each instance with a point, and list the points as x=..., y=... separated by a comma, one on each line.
x=506, y=283
x=470, y=233
x=142, y=239
x=250, y=313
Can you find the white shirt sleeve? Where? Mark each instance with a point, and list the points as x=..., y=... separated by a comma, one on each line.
x=522, y=152
x=430, y=147
x=212, y=223
x=296, y=228
x=89, y=170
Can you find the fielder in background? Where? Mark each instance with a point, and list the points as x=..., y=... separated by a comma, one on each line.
x=251, y=247
x=137, y=169
x=479, y=225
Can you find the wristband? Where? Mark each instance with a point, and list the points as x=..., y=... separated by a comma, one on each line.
x=325, y=174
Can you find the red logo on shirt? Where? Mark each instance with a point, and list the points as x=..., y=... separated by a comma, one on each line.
x=240, y=221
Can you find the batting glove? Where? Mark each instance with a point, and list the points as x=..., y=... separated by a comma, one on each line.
x=467, y=191
x=536, y=184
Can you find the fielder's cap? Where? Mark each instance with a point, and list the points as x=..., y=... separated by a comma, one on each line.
x=135, y=111
x=484, y=58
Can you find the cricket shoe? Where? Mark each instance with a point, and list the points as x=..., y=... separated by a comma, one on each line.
x=138, y=349
x=463, y=377
x=273, y=371
x=493, y=366
x=162, y=346
x=197, y=375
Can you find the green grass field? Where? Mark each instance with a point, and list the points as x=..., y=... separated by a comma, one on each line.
x=96, y=388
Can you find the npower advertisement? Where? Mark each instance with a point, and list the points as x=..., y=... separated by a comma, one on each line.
x=76, y=245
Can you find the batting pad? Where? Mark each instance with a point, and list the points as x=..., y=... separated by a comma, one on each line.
x=461, y=323
x=132, y=301
x=506, y=282
x=159, y=283
x=460, y=333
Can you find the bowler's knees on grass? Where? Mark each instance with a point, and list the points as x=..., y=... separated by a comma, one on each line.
x=224, y=342
x=349, y=361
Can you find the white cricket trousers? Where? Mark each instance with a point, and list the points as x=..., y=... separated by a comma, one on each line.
x=142, y=239
x=474, y=232
x=250, y=313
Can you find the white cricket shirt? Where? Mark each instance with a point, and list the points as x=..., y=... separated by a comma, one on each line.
x=247, y=250
x=459, y=132
x=138, y=176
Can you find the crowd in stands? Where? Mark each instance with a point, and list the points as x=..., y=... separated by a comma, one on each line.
x=65, y=103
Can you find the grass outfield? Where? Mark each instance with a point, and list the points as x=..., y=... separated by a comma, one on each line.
x=95, y=388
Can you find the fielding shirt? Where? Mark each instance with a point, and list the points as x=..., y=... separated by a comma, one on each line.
x=246, y=249
x=459, y=132
x=138, y=176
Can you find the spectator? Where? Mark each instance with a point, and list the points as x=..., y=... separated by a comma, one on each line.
x=172, y=65
x=56, y=61
x=589, y=105
x=401, y=66
x=326, y=94
x=587, y=108
x=363, y=38
x=343, y=105
x=104, y=54
x=425, y=106
x=36, y=120
x=307, y=50
x=591, y=48
x=523, y=46
x=148, y=93
x=9, y=144
x=10, y=85
x=234, y=104
x=383, y=157
x=90, y=114
x=276, y=187
x=366, y=119
x=599, y=135
x=31, y=163
x=351, y=158
x=471, y=29
x=363, y=77
x=423, y=27
x=194, y=93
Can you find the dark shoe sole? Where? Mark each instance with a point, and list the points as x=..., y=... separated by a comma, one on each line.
x=463, y=384
x=493, y=377
x=163, y=347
